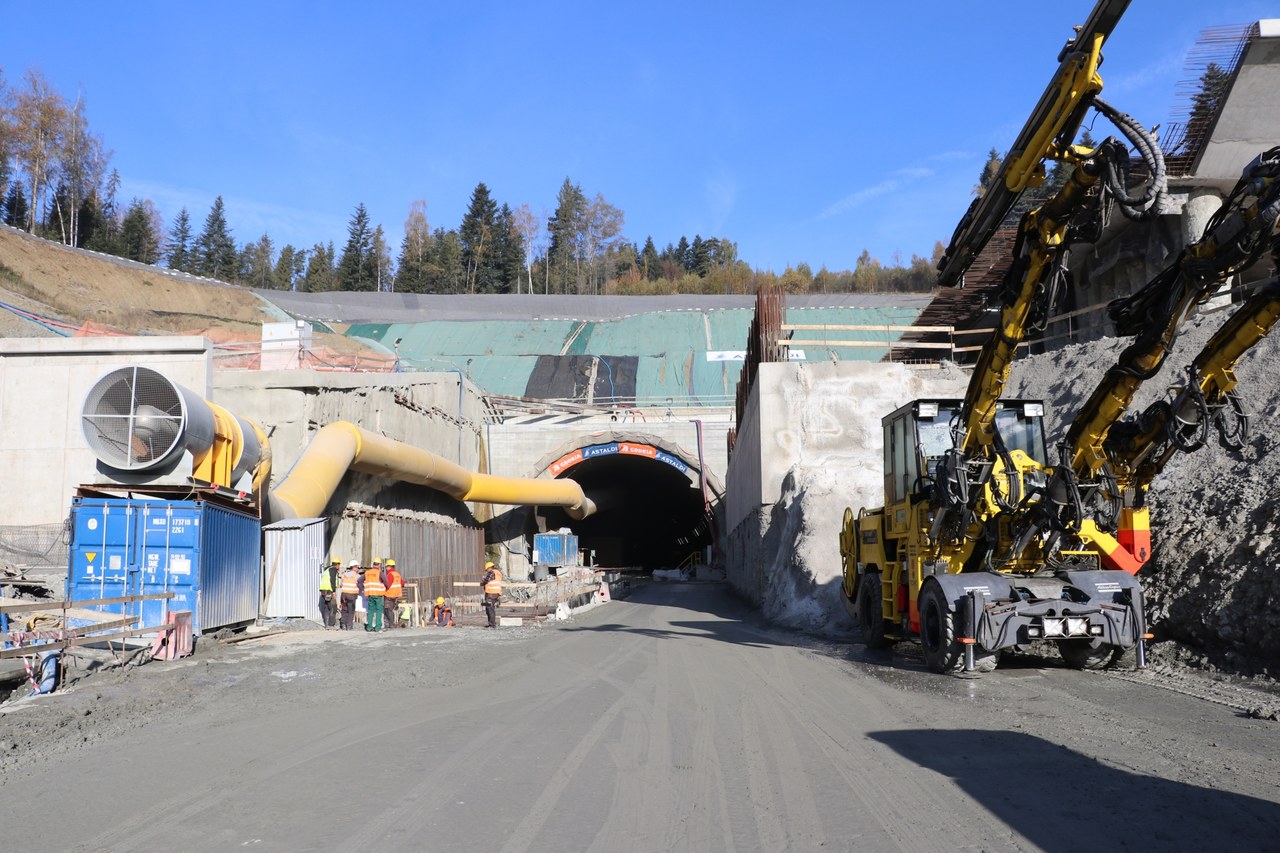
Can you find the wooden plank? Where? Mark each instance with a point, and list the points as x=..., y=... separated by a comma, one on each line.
x=246, y=637
x=879, y=344
x=76, y=641
x=23, y=606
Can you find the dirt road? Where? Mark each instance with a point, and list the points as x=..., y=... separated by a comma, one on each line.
x=669, y=721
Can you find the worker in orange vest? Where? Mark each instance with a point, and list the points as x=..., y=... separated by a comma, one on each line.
x=395, y=589
x=492, y=583
x=349, y=587
x=442, y=614
x=372, y=587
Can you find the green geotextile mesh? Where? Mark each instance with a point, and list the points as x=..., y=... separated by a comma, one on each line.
x=685, y=355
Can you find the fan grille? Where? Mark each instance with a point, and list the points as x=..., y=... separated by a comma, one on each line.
x=133, y=419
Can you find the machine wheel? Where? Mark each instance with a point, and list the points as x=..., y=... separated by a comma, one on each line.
x=849, y=555
x=943, y=651
x=1093, y=655
x=871, y=612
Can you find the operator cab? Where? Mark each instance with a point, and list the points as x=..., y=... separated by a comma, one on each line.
x=917, y=435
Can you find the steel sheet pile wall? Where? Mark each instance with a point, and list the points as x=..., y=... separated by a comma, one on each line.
x=425, y=549
x=293, y=554
x=207, y=555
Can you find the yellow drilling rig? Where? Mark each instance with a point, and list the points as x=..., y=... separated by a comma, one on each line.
x=983, y=542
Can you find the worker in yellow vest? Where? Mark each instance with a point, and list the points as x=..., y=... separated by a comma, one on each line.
x=492, y=583
x=328, y=586
x=395, y=589
x=349, y=587
x=372, y=588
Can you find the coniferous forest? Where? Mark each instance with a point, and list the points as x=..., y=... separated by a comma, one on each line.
x=56, y=181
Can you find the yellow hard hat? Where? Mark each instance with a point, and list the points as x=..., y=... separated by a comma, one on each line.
x=391, y=562
x=440, y=600
x=489, y=566
x=335, y=559
x=377, y=561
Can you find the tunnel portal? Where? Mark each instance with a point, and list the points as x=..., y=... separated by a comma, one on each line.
x=650, y=514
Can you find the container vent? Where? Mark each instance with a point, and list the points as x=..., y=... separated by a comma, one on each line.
x=133, y=419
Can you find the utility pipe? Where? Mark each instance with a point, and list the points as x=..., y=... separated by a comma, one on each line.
x=343, y=446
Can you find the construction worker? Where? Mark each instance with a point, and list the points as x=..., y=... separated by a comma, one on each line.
x=373, y=588
x=492, y=583
x=395, y=589
x=328, y=585
x=349, y=587
x=442, y=614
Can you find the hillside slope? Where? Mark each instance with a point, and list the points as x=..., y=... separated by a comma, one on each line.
x=75, y=287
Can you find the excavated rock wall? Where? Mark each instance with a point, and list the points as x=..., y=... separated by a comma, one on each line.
x=1214, y=578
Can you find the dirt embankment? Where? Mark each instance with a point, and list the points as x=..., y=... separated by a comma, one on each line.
x=76, y=287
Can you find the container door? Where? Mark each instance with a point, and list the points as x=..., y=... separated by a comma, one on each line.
x=168, y=557
x=102, y=542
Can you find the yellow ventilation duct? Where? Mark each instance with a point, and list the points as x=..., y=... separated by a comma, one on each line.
x=343, y=446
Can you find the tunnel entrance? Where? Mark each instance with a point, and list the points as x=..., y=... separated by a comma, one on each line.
x=650, y=515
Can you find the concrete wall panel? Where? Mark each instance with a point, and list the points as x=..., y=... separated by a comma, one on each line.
x=43, y=383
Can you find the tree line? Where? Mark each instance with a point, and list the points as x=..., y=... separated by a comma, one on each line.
x=56, y=181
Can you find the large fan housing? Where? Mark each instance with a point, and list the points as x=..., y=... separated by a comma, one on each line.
x=135, y=419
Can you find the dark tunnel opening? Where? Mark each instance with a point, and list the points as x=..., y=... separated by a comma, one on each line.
x=650, y=515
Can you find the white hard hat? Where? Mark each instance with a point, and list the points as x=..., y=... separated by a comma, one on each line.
x=354, y=564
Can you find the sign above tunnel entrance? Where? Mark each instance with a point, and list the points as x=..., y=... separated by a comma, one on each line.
x=625, y=448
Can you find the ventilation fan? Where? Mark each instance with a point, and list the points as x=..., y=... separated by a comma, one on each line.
x=135, y=419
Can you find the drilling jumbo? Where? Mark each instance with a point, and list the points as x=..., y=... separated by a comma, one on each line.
x=984, y=543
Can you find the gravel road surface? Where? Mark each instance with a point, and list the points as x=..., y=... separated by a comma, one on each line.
x=673, y=720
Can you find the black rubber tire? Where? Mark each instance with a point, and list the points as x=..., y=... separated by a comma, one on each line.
x=1124, y=658
x=943, y=651
x=871, y=619
x=1086, y=654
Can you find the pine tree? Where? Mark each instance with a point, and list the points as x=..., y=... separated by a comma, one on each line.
x=508, y=253
x=650, y=265
x=357, y=270
x=384, y=274
x=321, y=274
x=990, y=170
x=290, y=267
x=257, y=264
x=447, y=258
x=139, y=240
x=684, y=254
x=178, y=249
x=215, y=249
x=15, y=207
x=478, y=237
x=566, y=227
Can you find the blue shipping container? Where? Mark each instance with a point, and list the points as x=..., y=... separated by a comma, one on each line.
x=555, y=549
x=207, y=555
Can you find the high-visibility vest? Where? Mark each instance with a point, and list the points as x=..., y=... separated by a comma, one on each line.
x=326, y=580
x=373, y=582
x=395, y=584
x=350, y=582
x=494, y=586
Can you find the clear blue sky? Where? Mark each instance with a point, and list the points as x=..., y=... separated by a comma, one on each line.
x=804, y=131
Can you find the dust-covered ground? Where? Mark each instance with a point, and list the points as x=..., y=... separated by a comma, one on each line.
x=673, y=720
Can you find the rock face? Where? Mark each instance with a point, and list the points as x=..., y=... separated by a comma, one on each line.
x=1214, y=578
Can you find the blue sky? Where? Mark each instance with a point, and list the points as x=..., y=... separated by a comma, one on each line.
x=805, y=132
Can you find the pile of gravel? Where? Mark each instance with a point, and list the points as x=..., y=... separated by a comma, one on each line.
x=1213, y=582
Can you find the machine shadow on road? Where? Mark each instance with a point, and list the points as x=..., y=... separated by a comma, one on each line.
x=1063, y=800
